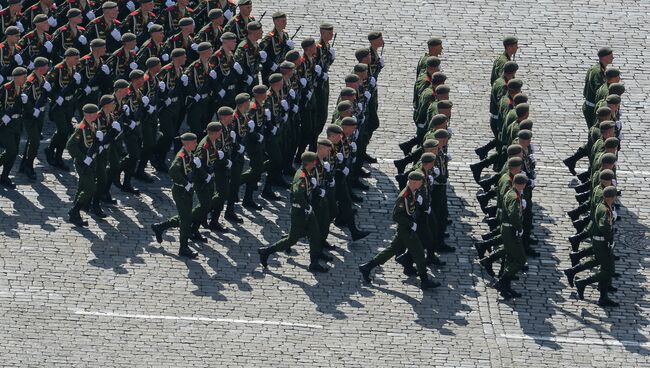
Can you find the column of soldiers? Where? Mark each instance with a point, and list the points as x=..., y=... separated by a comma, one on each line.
x=596, y=215
x=118, y=80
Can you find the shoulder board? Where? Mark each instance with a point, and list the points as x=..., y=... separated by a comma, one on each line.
x=319, y=46
x=167, y=67
x=254, y=105
x=82, y=125
x=48, y=36
x=190, y=10
x=147, y=77
x=53, y=7
x=4, y=11
x=71, y=1
x=218, y=53
x=116, y=22
x=34, y=7
x=406, y=194
x=133, y=53
x=206, y=145
x=59, y=66
x=182, y=154
x=81, y=28
x=134, y=13
x=86, y=57
x=7, y=86
x=96, y=20
x=3, y=45
x=302, y=174
x=176, y=37
x=272, y=33
x=152, y=14
x=64, y=28
x=30, y=35
x=31, y=77
x=197, y=64
x=245, y=45
x=232, y=2
x=170, y=9
x=18, y=47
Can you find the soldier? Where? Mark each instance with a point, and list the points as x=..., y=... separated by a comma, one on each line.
x=65, y=81
x=404, y=214
x=111, y=128
x=222, y=62
x=435, y=49
x=11, y=54
x=510, y=46
x=240, y=120
x=37, y=42
x=325, y=171
x=11, y=16
x=152, y=89
x=303, y=218
x=182, y=174
x=12, y=112
x=86, y=7
x=439, y=191
x=212, y=31
x=239, y=23
x=140, y=21
x=106, y=27
x=278, y=109
x=115, y=152
x=222, y=175
x=226, y=7
x=593, y=80
x=95, y=74
x=201, y=77
x=34, y=113
x=135, y=108
x=276, y=44
x=123, y=61
x=171, y=17
x=255, y=133
x=153, y=47
x=307, y=72
x=45, y=7
x=248, y=58
x=375, y=66
x=83, y=147
x=325, y=55
x=183, y=38
x=69, y=35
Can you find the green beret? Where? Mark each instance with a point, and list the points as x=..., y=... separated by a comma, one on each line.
x=416, y=175
x=90, y=109
x=214, y=126
x=278, y=15
x=612, y=72
x=442, y=89
x=522, y=109
x=225, y=111
x=260, y=89
x=441, y=134
x=514, y=149
x=14, y=2
x=606, y=174
x=242, y=98
x=510, y=40
x=611, y=142
x=433, y=62
x=73, y=12
x=109, y=5
x=178, y=52
x=608, y=158
x=526, y=124
x=40, y=18
x=12, y=31
x=445, y=104
x=135, y=74
x=324, y=142
x=438, y=78
x=515, y=162
x=374, y=35
x=438, y=120
x=307, y=42
x=348, y=92
x=120, y=83
x=351, y=78
x=275, y=78
x=525, y=134
x=610, y=192
x=292, y=55
x=361, y=53
x=613, y=99
x=228, y=36
x=606, y=125
x=254, y=26
x=244, y=2
x=326, y=27
x=434, y=41
x=604, y=51
x=188, y=137
x=152, y=62
x=520, y=178
x=519, y=98
x=287, y=65
x=430, y=143
x=71, y=51
x=308, y=156
x=349, y=121
x=19, y=70
x=344, y=106
x=128, y=37
x=215, y=14
x=603, y=111
x=41, y=61
x=616, y=89
x=185, y=22
x=333, y=129
x=360, y=68
x=204, y=46
x=106, y=99
x=515, y=84
x=510, y=67
x=97, y=42
x=428, y=157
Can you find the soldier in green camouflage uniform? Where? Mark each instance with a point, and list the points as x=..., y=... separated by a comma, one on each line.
x=593, y=80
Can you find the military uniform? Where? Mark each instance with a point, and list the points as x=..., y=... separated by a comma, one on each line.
x=11, y=111
x=37, y=45
x=138, y=23
x=10, y=58
x=199, y=93
x=171, y=112
x=325, y=55
x=122, y=62
x=276, y=44
x=593, y=80
x=33, y=119
x=225, y=84
x=170, y=17
x=247, y=65
x=96, y=79
x=255, y=133
x=109, y=31
x=68, y=36
x=237, y=25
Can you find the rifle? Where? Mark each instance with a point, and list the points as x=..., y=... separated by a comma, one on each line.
x=296, y=33
x=262, y=17
x=333, y=40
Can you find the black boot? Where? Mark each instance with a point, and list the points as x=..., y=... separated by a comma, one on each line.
x=482, y=152
x=140, y=172
x=158, y=230
x=186, y=251
x=401, y=180
x=365, y=270
x=574, y=214
x=477, y=169
x=433, y=260
x=248, y=201
x=487, y=184
x=196, y=235
x=61, y=164
x=358, y=184
x=583, y=187
x=279, y=181
x=264, y=256
x=356, y=198
x=230, y=214
x=530, y=252
x=268, y=193
x=97, y=209
x=571, y=161
x=604, y=300
x=407, y=146
x=491, y=234
x=583, y=177
x=484, y=198
x=581, y=223
x=314, y=266
x=503, y=286
x=583, y=197
x=492, y=222
x=127, y=187
x=401, y=163
x=355, y=232
x=575, y=240
x=29, y=169
x=406, y=261
x=426, y=283
x=581, y=284
x=488, y=261
x=572, y=272
x=577, y=256
x=74, y=216
x=490, y=211
x=365, y=173
x=50, y=156
x=483, y=246
x=214, y=223
x=6, y=182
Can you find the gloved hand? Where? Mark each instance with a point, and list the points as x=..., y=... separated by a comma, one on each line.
x=82, y=40
x=185, y=80
x=46, y=86
x=345, y=171
x=18, y=59
x=373, y=81
x=238, y=68
x=327, y=166
x=23, y=98
x=290, y=43
x=251, y=125
x=162, y=86
x=523, y=203
x=169, y=3
x=228, y=14
x=303, y=82
x=116, y=35
x=197, y=162
x=31, y=65
x=164, y=57
x=381, y=60
x=208, y=178
x=367, y=95
x=130, y=5
x=292, y=93
x=213, y=74
x=20, y=27
x=414, y=227
x=353, y=146
x=90, y=15
x=106, y=69
x=309, y=94
x=194, y=46
x=87, y=90
x=318, y=69
x=260, y=138
x=220, y=154
x=267, y=114
x=145, y=100
x=197, y=97
x=285, y=105
x=322, y=192
x=420, y=199
x=274, y=130
x=99, y=135
x=132, y=125
x=188, y=187
x=168, y=101
x=263, y=56
x=6, y=119
x=274, y=67
x=115, y=125
x=249, y=80
x=339, y=157
x=241, y=149
x=233, y=135
x=308, y=210
x=77, y=78
x=326, y=76
x=333, y=52
x=88, y=160
x=48, y=46
x=51, y=21
x=151, y=109
x=295, y=109
x=229, y=164
x=36, y=113
x=133, y=65
x=222, y=93
x=59, y=100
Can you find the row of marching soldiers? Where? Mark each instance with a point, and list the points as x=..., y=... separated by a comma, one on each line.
x=596, y=215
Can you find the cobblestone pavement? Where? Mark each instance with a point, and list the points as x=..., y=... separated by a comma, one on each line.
x=111, y=296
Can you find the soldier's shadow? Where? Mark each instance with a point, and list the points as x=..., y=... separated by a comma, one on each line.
x=9, y=225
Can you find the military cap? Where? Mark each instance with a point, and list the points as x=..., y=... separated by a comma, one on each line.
x=215, y=14
x=287, y=65
x=308, y=156
x=254, y=26
x=434, y=41
x=14, y=2
x=606, y=174
x=361, y=53
x=292, y=55
x=12, y=31
x=324, y=142
x=525, y=134
x=178, y=52
x=275, y=78
x=351, y=78
x=438, y=78
x=520, y=98
x=307, y=42
x=616, y=89
x=326, y=27
x=349, y=121
x=214, y=126
x=188, y=137
x=128, y=37
x=156, y=28
x=260, y=89
x=120, y=83
x=526, y=124
x=40, y=18
x=510, y=67
x=185, y=22
x=19, y=70
x=515, y=84
x=438, y=120
x=416, y=175
x=612, y=72
x=510, y=40
x=278, y=15
x=225, y=111
x=90, y=109
x=242, y=98
x=514, y=149
x=97, y=42
x=433, y=61
x=374, y=35
x=604, y=51
x=515, y=162
x=41, y=61
x=606, y=125
x=71, y=51
x=228, y=36
x=610, y=192
x=611, y=142
x=603, y=111
x=445, y=104
x=360, y=68
x=348, y=92
x=152, y=62
x=520, y=178
x=428, y=157
x=613, y=99
x=430, y=143
x=334, y=129
x=135, y=74
x=522, y=109
x=106, y=99
x=204, y=46
x=344, y=106
x=73, y=12
x=441, y=134
x=442, y=89
x=244, y=2
x=608, y=158
x=109, y=5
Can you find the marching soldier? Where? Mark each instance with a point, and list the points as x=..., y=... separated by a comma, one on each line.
x=325, y=55
x=95, y=74
x=86, y=7
x=12, y=111
x=239, y=121
x=69, y=35
x=375, y=66
x=223, y=63
x=510, y=46
x=212, y=31
x=11, y=54
x=140, y=21
x=112, y=129
x=153, y=47
x=183, y=38
x=248, y=58
x=115, y=151
x=152, y=89
x=275, y=44
x=123, y=61
x=228, y=8
x=223, y=143
x=171, y=17
x=278, y=107
x=106, y=27
x=37, y=42
x=306, y=71
x=434, y=45
x=34, y=113
x=136, y=107
x=255, y=134
x=11, y=16
x=593, y=80
x=201, y=77
x=239, y=23
x=45, y=7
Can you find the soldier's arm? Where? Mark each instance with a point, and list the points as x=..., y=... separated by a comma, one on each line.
x=201, y=173
x=603, y=225
x=513, y=209
x=75, y=144
x=299, y=189
x=176, y=172
x=400, y=216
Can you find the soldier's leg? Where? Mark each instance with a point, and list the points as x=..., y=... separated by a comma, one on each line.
x=204, y=193
x=323, y=217
x=195, y=118
x=129, y=163
x=183, y=201
x=149, y=135
x=233, y=188
x=32, y=128
x=115, y=155
x=8, y=157
x=86, y=185
x=101, y=179
x=412, y=242
x=64, y=128
x=167, y=134
x=396, y=247
x=252, y=176
x=297, y=230
x=515, y=255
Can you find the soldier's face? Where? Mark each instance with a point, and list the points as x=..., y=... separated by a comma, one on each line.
x=377, y=43
x=326, y=35
x=225, y=119
x=348, y=130
x=446, y=112
x=205, y=55
x=436, y=50
x=365, y=60
x=255, y=35
x=613, y=107
x=120, y=93
x=414, y=185
x=362, y=75
x=155, y=69
x=110, y=14
x=43, y=26
x=229, y=45
x=610, y=200
x=246, y=10
x=46, y=2
x=442, y=142
x=75, y=20
x=311, y=51
x=524, y=142
x=129, y=45
x=310, y=165
x=183, y=2
x=72, y=61
x=607, y=59
x=280, y=23
x=181, y=60
x=324, y=151
x=190, y=145
x=213, y=136
x=19, y=80
x=276, y=86
x=512, y=49
x=157, y=37
x=90, y=117
x=41, y=70
x=147, y=7
x=428, y=166
x=13, y=39
x=335, y=138
x=15, y=8
x=137, y=83
x=520, y=187
x=515, y=170
x=187, y=29
x=109, y=108
x=218, y=21
x=100, y=51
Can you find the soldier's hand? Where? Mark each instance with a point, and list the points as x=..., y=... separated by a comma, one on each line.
x=274, y=67
x=251, y=125
x=36, y=113
x=168, y=101
x=339, y=156
x=308, y=210
x=59, y=100
x=48, y=46
x=523, y=203
x=241, y=149
x=115, y=125
x=318, y=69
x=228, y=164
x=436, y=171
x=345, y=171
x=23, y=98
x=322, y=192
x=197, y=162
x=151, y=109
x=165, y=57
x=326, y=166
x=428, y=211
x=263, y=56
x=381, y=61
x=290, y=44
x=169, y=3
x=228, y=14
x=46, y=86
x=88, y=160
x=249, y=80
x=208, y=178
x=18, y=59
x=238, y=68
x=90, y=15
x=106, y=69
x=333, y=52
x=188, y=187
x=82, y=40
x=373, y=81
x=126, y=109
x=326, y=76
x=233, y=135
x=132, y=125
x=414, y=227
x=274, y=130
x=162, y=86
x=420, y=199
x=292, y=93
x=222, y=93
x=185, y=80
x=77, y=77
x=213, y=74
x=353, y=146
x=303, y=82
x=133, y=65
x=20, y=27
x=449, y=158
x=99, y=135
x=260, y=138
x=367, y=95
x=285, y=105
x=197, y=97
x=6, y=119
x=295, y=109
x=116, y=35
x=87, y=90
x=220, y=154
x=145, y=100
x=52, y=21
x=31, y=65
x=194, y=46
